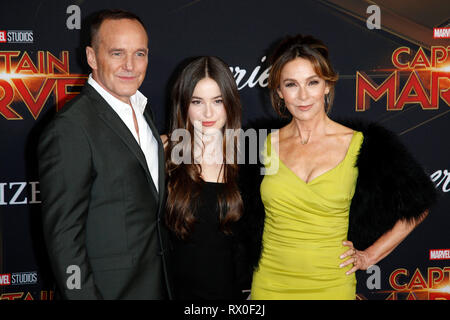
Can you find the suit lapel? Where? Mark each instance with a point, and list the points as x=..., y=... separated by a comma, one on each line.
x=161, y=161
x=112, y=120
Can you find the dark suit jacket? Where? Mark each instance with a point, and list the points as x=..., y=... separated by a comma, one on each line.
x=101, y=210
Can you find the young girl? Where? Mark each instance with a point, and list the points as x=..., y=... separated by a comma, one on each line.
x=204, y=203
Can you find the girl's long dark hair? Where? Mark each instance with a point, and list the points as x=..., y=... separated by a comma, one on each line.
x=184, y=182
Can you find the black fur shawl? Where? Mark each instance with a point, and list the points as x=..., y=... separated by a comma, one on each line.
x=391, y=185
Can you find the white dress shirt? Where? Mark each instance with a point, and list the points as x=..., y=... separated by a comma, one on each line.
x=148, y=143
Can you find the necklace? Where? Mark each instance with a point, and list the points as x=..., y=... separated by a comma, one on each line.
x=305, y=141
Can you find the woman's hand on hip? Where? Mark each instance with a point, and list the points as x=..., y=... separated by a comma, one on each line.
x=359, y=259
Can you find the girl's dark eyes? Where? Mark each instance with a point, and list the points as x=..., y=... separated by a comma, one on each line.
x=217, y=101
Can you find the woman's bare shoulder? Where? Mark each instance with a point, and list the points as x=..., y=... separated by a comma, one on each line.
x=341, y=131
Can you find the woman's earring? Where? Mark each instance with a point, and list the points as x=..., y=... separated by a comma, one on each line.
x=327, y=102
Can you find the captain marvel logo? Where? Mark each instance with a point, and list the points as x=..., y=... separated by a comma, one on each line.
x=417, y=285
x=427, y=81
x=31, y=82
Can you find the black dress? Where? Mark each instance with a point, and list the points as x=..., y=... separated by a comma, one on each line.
x=207, y=264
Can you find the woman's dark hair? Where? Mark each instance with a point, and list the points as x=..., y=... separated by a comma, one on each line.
x=184, y=181
x=306, y=47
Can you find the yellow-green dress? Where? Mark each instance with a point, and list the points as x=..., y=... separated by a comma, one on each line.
x=304, y=228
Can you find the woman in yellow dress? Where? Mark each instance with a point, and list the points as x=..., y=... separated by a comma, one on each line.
x=305, y=252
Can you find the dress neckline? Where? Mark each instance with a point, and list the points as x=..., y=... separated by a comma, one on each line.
x=321, y=175
x=213, y=182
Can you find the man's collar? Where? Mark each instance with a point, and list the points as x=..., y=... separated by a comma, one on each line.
x=138, y=100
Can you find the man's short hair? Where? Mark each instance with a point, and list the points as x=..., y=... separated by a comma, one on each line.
x=110, y=14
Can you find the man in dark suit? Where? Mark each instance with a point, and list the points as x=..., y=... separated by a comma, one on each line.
x=101, y=168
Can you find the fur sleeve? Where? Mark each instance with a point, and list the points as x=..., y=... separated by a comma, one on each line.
x=391, y=186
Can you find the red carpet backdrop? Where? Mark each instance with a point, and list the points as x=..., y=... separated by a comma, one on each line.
x=393, y=58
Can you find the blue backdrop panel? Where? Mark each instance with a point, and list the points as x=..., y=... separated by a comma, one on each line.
x=42, y=66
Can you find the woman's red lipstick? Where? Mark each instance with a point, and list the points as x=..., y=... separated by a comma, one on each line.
x=305, y=108
x=208, y=123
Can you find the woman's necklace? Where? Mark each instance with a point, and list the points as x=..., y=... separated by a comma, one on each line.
x=305, y=141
